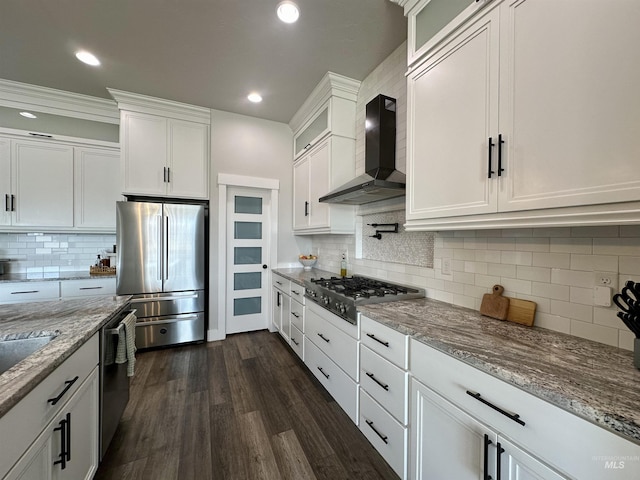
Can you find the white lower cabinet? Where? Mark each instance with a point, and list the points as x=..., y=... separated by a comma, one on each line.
x=18, y=292
x=453, y=405
x=280, y=315
x=297, y=342
x=87, y=288
x=54, y=428
x=341, y=387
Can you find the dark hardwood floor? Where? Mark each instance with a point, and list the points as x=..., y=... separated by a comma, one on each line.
x=245, y=408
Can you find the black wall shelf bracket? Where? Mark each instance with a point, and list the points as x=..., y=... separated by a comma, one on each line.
x=379, y=233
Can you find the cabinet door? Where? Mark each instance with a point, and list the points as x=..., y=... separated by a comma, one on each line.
x=570, y=125
x=81, y=433
x=516, y=464
x=188, y=174
x=285, y=320
x=5, y=181
x=42, y=181
x=36, y=463
x=143, y=143
x=319, y=184
x=453, y=112
x=445, y=441
x=97, y=188
x=301, y=194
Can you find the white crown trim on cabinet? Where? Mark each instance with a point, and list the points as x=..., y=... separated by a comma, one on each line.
x=135, y=102
x=57, y=102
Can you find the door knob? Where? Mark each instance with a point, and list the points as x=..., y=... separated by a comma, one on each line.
x=264, y=266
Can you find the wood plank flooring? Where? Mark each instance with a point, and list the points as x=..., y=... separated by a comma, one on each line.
x=245, y=408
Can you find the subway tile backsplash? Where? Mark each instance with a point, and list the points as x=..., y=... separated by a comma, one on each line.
x=50, y=253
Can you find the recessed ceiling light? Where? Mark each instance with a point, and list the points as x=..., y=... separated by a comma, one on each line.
x=88, y=58
x=254, y=97
x=287, y=11
x=28, y=114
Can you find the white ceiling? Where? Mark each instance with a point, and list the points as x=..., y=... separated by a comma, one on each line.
x=203, y=52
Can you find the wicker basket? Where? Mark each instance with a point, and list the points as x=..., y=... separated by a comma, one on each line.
x=93, y=270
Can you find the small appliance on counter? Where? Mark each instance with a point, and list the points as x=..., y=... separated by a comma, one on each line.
x=3, y=263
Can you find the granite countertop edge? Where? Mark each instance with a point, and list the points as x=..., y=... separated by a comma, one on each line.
x=73, y=323
x=564, y=388
x=48, y=277
x=299, y=275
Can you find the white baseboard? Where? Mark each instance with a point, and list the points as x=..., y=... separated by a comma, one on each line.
x=215, y=335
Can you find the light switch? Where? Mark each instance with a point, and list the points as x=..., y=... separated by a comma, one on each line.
x=602, y=296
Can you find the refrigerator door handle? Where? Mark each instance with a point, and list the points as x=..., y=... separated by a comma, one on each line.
x=166, y=248
x=163, y=299
x=160, y=250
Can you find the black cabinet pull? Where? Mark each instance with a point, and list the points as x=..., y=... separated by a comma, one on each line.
x=500, y=142
x=13, y=203
x=295, y=292
x=513, y=416
x=279, y=283
x=372, y=377
x=24, y=291
x=277, y=299
x=323, y=337
x=294, y=341
x=168, y=174
x=487, y=442
x=6, y=202
x=69, y=383
x=326, y=375
x=295, y=314
x=164, y=174
x=373, y=337
x=306, y=209
x=491, y=145
x=383, y=437
x=65, y=441
x=499, y=466
x=90, y=288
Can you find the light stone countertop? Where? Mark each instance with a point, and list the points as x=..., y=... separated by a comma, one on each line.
x=592, y=380
x=73, y=321
x=40, y=277
x=299, y=275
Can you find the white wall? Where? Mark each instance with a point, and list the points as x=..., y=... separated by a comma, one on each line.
x=243, y=145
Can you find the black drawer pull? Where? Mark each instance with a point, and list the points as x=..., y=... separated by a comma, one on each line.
x=373, y=337
x=90, y=288
x=326, y=375
x=295, y=314
x=323, y=337
x=26, y=291
x=372, y=377
x=279, y=283
x=294, y=341
x=513, y=416
x=295, y=292
x=69, y=383
x=383, y=437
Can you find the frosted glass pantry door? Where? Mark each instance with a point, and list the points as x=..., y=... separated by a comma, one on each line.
x=247, y=253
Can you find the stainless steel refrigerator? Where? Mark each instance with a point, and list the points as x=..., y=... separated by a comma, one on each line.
x=161, y=262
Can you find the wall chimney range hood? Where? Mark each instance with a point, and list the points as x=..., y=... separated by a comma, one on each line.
x=382, y=181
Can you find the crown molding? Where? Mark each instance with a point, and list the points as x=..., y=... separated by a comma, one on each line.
x=331, y=85
x=407, y=5
x=57, y=102
x=136, y=102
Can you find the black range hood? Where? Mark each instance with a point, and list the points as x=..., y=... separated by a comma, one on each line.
x=382, y=181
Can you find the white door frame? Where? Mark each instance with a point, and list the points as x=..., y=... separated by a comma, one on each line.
x=225, y=181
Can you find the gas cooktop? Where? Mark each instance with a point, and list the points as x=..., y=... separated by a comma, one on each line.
x=341, y=295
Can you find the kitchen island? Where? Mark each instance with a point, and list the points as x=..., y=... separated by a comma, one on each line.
x=73, y=321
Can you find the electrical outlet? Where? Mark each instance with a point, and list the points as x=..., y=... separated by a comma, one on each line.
x=446, y=266
x=605, y=279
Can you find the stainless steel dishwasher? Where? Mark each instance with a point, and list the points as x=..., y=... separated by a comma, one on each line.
x=114, y=382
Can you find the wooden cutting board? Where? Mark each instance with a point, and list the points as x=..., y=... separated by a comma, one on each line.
x=521, y=311
x=494, y=304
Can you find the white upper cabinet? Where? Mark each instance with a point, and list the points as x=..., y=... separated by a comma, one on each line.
x=5, y=180
x=42, y=184
x=324, y=155
x=97, y=188
x=164, y=147
x=512, y=124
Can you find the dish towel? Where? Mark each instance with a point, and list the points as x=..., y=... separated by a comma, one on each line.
x=109, y=345
x=126, y=349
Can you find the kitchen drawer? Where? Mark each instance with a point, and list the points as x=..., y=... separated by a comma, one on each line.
x=385, y=341
x=297, y=314
x=86, y=288
x=281, y=283
x=329, y=317
x=336, y=344
x=563, y=440
x=342, y=388
x=388, y=437
x=385, y=382
x=159, y=331
x=296, y=292
x=29, y=291
x=297, y=342
x=30, y=416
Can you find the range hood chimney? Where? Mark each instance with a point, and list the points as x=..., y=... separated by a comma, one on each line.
x=382, y=180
